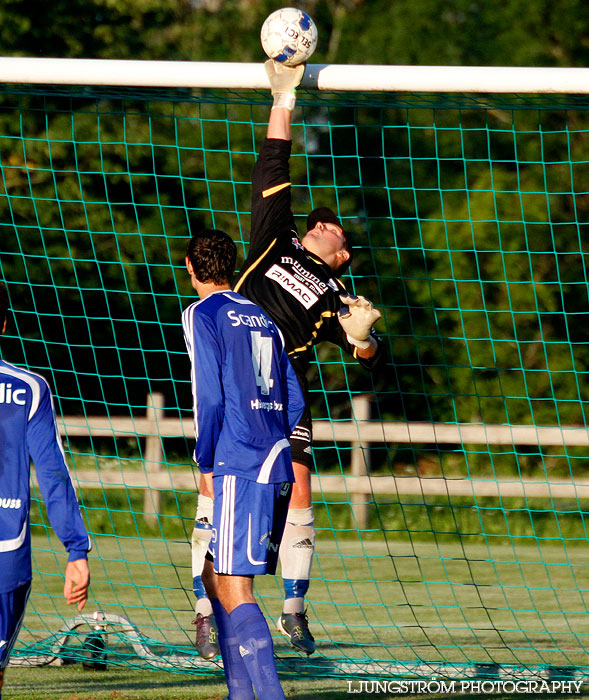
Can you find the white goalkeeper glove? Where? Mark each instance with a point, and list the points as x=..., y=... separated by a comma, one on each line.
x=357, y=318
x=284, y=80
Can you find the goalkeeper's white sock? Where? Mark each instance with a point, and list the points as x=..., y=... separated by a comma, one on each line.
x=296, y=557
x=293, y=605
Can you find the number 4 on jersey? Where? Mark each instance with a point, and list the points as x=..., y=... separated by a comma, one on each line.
x=262, y=361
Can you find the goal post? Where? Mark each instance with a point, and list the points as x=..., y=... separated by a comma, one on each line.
x=451, y=491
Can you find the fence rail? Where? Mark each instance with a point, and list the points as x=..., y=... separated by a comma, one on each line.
x=374, y=484
x=365, y=431
x=360, y=432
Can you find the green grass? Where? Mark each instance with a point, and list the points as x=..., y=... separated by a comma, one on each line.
x=467, y=582
x=505, y=601
x=120, y=512
x=72, y=683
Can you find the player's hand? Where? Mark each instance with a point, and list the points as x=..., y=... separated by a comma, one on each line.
x=357, y=318
x=284, y=80
x=77, y=581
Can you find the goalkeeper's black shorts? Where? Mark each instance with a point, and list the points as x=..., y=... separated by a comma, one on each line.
x=301, y=440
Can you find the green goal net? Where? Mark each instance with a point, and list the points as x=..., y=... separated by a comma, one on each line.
x=451, y=492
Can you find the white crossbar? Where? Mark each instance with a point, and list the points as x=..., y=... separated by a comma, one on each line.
x=362, y=78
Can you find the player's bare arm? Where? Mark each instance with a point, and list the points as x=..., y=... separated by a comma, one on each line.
x=279, y=124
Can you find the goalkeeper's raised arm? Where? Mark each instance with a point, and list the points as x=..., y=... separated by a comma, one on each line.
x=297, y=281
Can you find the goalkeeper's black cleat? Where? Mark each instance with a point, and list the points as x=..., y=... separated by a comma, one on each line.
x=206, y=636
x=295, y=626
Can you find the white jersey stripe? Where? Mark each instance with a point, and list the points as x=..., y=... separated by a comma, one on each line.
x=226, y=526
x=16, y=542
x=231, y=527
x=266, y=467
x=220, y=563
x=250, y=557
x=233, y=483
x=223, y=529
x=188, y=326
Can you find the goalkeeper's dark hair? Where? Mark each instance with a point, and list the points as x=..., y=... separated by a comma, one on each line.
x=4, y=304
x=212, y=254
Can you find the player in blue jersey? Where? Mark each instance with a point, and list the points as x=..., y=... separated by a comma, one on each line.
x=246, y=402
x=28, y=430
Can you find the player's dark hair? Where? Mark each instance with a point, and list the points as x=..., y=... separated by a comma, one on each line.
x=212, y=254
x=325, y=215
x=4, y=304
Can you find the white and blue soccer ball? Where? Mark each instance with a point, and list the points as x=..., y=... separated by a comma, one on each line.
x=289, y=36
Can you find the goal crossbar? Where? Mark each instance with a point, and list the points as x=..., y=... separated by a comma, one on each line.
x=231, y=75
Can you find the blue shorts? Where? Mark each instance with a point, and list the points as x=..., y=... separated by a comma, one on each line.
x=12, y=613
x=248, y=522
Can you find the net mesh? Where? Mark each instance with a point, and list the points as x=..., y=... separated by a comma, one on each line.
x=464, y=552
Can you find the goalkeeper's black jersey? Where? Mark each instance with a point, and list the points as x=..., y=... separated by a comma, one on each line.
x=296, y=288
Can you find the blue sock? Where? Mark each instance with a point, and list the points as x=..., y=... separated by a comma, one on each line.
x=257, y=650
x=236, y=673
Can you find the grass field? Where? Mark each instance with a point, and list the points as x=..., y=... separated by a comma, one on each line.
x=457, y=603
x=72, y=683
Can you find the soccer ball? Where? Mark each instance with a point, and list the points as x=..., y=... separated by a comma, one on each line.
x=289, y=36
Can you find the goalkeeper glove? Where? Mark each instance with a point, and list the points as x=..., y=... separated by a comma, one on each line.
x=356, y=318
x=284, y=81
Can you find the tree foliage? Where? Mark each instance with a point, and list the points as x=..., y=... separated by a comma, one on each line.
x=475, y=234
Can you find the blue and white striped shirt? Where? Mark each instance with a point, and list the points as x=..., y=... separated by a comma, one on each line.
x=246, y=397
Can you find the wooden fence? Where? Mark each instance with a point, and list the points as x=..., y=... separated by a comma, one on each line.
x=360, y=432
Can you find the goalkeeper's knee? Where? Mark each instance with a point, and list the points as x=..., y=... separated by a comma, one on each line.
x=296, y=549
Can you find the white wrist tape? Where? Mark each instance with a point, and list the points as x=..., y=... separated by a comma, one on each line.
x=285, y=99
x=361, y=344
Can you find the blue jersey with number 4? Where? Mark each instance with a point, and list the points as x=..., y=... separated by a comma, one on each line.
x=28, y=430
x=246, y=397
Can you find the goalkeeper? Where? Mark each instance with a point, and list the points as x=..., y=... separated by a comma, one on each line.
x=297, y=284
